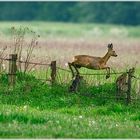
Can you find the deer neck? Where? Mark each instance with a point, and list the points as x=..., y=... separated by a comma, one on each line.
x=105, y=58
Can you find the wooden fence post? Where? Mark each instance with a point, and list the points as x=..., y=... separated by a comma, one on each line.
x=53, y=71
x=75, y=83
x=12, y=69
x=130, y=74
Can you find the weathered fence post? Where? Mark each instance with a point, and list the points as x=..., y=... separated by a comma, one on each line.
x=75, y=83
x=130, y=74
x=53, y=71
x=12, y=69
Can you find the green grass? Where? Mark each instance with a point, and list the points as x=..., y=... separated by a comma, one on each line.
x=37, y=110
x=72, y=30
x=34, y=109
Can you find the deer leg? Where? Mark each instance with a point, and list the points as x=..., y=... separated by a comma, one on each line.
x=108, y=72
x=70, y=66
x=76, y=69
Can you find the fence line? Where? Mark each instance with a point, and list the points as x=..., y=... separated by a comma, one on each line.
x=115, y=73
x=92, y=73
x=45, y=64
x=63, y=69
x=36, y=63
x=55, y=73
x=12, y=70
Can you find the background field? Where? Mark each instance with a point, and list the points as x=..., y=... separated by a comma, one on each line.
x=33, y=109
x=61, y=41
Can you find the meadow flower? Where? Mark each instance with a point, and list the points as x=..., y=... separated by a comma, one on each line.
x=66, y=64
x=80, y=117
x=93, y=122
x=25, y=107
x=116, y=124
x=74, y=118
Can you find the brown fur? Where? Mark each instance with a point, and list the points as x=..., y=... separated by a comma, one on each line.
x=92, y=62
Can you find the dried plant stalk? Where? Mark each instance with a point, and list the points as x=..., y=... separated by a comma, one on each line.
x=19, y=41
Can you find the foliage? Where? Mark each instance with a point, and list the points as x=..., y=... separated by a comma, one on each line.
x=59, y=30
x=127, y=13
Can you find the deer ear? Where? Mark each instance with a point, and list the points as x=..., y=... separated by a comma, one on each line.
x=110, y=46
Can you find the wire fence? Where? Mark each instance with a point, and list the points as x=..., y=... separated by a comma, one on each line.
x=50, y=72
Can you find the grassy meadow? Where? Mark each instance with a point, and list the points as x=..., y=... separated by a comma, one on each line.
x=34, y=109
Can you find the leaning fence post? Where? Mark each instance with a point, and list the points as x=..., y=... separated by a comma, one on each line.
x=129, y=86
x=53, y=71
x=12, y=70
x=75, y=83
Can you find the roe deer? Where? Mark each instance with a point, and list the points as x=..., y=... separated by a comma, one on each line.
x=122, y=84
x=92, y=62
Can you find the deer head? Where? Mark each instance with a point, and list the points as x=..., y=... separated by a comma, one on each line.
x=111, y=52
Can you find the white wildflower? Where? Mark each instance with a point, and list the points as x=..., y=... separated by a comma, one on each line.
x=74, y=118
x=25, y=107
x=93, y=122
x=66, y=64
x=116, y=125
x=80, y=117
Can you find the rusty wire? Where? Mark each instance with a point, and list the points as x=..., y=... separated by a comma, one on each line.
x=91, y=73
x=35, y=63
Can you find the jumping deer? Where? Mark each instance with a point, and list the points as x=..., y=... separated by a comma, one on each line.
x=92, y=62
x=122, y=83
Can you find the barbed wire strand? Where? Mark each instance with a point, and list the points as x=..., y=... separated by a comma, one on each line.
x=35, y=63
x=92, y=73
